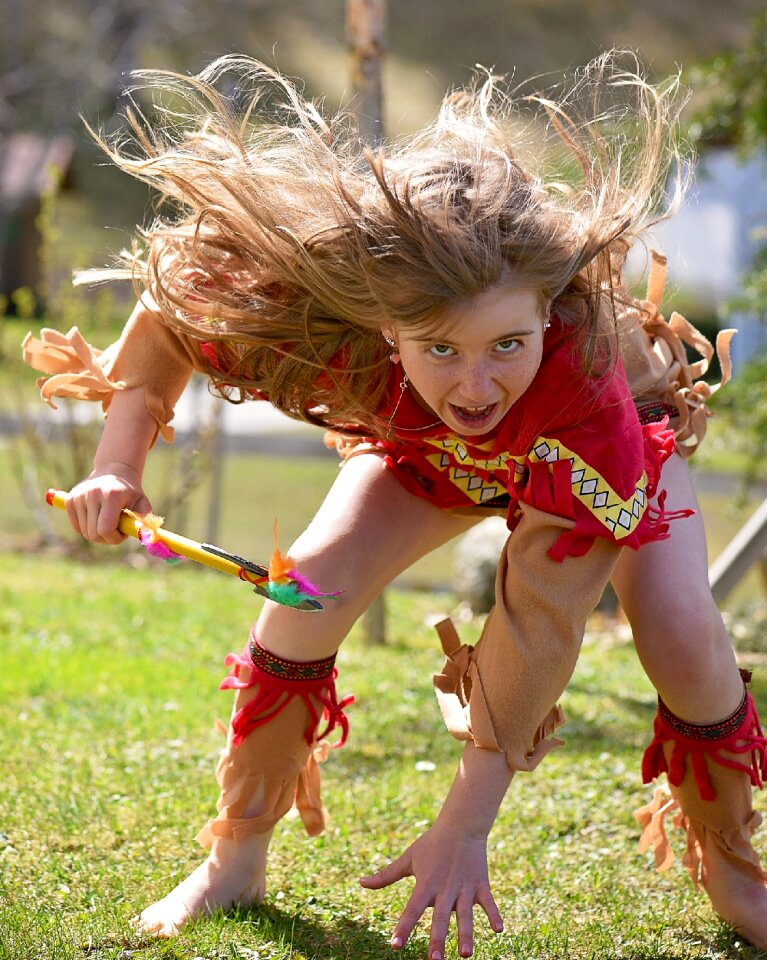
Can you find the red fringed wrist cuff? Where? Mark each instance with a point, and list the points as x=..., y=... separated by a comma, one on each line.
x=280, y=681
x=740, y=733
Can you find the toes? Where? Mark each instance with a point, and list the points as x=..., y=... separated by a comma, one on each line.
x=158, y=927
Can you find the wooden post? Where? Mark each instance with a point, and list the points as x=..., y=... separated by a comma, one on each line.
x=365, y=33
x=745, y=549
x=218, y=454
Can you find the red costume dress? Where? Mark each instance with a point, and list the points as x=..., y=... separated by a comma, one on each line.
x=571, y=445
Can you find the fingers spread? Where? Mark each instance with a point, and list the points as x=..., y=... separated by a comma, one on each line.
x=485, y=899
x=440, y=923
x=391, y=873
x=464, y=913
x=410, y=916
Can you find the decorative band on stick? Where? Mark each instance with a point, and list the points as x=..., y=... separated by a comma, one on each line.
x=280, y=581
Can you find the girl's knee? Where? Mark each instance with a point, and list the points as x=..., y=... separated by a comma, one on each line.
x=675, y=610
x=685, y=646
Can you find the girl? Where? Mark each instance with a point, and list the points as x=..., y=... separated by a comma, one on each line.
x=450, y=311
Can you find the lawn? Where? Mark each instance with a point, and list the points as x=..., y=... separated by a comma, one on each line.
x=108, y=695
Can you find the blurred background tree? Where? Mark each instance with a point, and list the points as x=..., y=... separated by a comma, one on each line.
x=61, y=58
x=733, y=86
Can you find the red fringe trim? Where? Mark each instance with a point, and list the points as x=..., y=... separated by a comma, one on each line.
x=275, y=693
x=549, y=488
x=748, y=738
x=659, y=444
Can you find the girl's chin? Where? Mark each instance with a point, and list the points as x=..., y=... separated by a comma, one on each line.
x=473, y=421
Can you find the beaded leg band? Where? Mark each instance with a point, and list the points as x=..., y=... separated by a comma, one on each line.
x=740, y=734
x=279, y=682
x=656, y=412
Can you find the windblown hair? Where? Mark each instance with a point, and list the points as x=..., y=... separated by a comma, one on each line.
x=288, y=243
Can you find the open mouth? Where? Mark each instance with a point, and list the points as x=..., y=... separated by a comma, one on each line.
x=474, y=416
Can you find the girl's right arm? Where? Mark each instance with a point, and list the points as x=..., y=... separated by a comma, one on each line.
x=94, y=505
x=138, y=378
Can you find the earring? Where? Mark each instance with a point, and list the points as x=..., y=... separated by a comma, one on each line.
x=402, y=389
x=394, y=355
x=547, y=323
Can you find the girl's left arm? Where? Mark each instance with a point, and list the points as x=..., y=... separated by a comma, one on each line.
x=449, y=861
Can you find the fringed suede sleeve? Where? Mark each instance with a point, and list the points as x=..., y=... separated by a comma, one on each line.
x=148, y=355
x=503, y=693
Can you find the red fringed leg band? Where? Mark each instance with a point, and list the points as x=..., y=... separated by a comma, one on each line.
x=739, y=734
x=279, y=682
x=713, y=808
x=270, y=763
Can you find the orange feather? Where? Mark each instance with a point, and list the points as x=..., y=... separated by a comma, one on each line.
x=280, y=564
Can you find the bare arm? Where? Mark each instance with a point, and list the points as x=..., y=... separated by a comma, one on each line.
x=94, y=505
x=480, y=784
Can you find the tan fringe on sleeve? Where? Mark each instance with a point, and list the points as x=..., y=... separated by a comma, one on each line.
x=72, y=366
x=464, y=707
x=654, y=355
x=148, y=355
x=503, y=693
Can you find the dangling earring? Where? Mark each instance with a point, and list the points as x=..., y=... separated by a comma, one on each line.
x=402, y=388
x=394, y=355
x=404, y=383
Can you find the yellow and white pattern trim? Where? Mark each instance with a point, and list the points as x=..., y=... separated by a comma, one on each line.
x=463, y=476
x=620, y=516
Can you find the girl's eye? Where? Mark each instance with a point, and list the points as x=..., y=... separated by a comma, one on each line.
x=508, y=346
x=441, y=350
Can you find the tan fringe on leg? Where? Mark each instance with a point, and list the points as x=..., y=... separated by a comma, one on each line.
x=658, y=371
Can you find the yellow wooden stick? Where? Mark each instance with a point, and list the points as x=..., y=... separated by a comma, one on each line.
x=131, y=527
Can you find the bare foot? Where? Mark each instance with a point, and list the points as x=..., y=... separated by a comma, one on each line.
x=234, y=874
x=738, y=895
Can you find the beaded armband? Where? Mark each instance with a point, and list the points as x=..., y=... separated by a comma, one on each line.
x=706, y=731
x=278, y=682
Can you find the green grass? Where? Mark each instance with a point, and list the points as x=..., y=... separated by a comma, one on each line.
x=107, y=705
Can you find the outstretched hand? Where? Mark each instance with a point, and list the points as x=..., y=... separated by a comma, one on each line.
x=450, y=870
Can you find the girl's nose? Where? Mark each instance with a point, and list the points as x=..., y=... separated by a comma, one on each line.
x=476, y=383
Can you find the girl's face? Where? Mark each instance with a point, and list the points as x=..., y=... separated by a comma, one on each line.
x=480, y=361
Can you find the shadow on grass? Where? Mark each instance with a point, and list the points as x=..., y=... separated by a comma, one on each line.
x=267, y=928
x=338, y=939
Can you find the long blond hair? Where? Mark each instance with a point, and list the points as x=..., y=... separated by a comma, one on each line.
x=289, y=244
